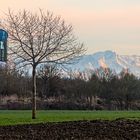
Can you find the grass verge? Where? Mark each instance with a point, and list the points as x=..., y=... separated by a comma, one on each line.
x=14, y=117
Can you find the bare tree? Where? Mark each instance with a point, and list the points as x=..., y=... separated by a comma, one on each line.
x=49, y=78
x=40, y=38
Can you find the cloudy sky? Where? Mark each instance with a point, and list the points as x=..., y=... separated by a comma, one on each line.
x=100, y=24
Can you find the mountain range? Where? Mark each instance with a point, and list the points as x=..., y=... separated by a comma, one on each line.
x=107, y=59
x=111, y=60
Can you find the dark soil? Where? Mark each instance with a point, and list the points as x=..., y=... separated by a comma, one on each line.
x=78, y=130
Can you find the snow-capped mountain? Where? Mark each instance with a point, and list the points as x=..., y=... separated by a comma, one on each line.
x=109, y=59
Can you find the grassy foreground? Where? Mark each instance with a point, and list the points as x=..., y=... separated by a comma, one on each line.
x=12, y=117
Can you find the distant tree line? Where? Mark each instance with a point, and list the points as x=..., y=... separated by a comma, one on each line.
x=96, y=90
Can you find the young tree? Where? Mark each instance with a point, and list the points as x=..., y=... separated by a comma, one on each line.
x=37, y=38
x=93, y=88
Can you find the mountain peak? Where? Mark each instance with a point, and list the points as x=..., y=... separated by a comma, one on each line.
x=109, y=59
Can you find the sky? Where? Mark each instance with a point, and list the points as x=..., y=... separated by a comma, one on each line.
x=99, y=24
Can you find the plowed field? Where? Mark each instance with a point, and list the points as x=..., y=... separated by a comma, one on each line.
x=76, y=130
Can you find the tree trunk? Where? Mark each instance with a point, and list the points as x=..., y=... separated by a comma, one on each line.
x=34, y=93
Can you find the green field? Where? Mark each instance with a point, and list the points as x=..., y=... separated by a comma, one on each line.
x=12, y=117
